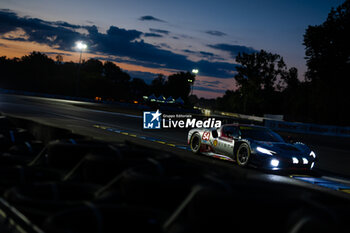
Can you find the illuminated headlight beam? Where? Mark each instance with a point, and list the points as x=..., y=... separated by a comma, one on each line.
x=305, y=161
x=295, y=160
x=275, y=162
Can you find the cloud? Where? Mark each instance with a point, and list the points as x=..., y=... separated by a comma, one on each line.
x=58, y=53
x=209, y=89
x=150, y=18
x=164, y=45
x=65, y=24
x=159, y=31
x=215, y=33
x=216, y=82
x=152, y=35
x=118, y=43
x=202, y=54
x=59, y=34
x=233, y=49
x=207, y=54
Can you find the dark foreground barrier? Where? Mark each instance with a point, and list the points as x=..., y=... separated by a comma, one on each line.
x=56, y=182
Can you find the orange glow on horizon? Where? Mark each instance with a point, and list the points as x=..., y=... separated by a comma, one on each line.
x=11, y=49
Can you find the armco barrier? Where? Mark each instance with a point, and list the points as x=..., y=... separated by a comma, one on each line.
x=303, y=128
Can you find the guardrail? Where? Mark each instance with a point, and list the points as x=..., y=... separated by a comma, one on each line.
x=296, y=127
x=280, y=125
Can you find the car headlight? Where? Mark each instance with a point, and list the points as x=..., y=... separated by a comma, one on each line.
x=265, y=151
x=312, y=154
x=295, y=160
x=305, y=161
x=275, y=163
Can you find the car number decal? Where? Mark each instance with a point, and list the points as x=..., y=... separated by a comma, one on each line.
x=206, y=136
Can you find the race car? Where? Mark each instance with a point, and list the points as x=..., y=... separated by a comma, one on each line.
x=251, y=145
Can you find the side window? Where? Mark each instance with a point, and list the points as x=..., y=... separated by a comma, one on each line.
x=230, y=131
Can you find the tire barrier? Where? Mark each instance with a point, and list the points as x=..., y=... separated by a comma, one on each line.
x=79, y=185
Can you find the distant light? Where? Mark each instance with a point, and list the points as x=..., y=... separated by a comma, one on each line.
x=305, y=161
x=295, y=160
x=275, y=163
x=136, y=102
x=80, y=45
x=195, y=71
x=189, y=80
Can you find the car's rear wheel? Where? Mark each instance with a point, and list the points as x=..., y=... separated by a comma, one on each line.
x=243, y=154
x=195, y=143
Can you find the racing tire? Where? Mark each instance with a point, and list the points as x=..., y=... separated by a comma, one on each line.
x=243, y=155
x=195, y=143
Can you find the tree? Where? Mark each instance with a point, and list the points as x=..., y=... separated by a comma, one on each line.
x=138, y=88
x=114, y=73
x=328, y=62
x=178, y=85
x=258, y=77
x=36, y=70
x=291, y=79
x=59, y=59
x=230, y=102
x=158, y=85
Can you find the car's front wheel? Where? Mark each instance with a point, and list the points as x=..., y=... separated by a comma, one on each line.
x=195, y=143
x=243, y=154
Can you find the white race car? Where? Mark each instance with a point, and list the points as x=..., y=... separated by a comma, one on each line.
x=251, y=145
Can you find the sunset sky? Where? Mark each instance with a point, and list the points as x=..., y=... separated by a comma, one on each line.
x=146, y=37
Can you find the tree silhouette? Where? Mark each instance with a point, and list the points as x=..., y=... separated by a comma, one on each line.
x=328, y=61
x=258, y=77
x=138, y=88
x=114, y=73
x=36, y=68
x=37, y=72
x=158, y=85
x=178, y=85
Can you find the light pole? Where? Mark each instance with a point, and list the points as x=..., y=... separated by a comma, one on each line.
x=195, y=72
x=81, y=46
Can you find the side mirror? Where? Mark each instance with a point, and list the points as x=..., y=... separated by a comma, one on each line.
x=214, y=133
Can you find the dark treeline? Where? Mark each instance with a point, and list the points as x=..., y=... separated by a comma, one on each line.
x=39, y=73
x=266, y=86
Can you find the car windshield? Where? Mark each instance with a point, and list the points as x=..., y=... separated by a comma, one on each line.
x=260, y=134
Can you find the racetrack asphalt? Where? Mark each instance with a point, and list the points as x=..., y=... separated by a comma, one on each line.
x=120, y=126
